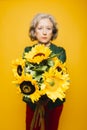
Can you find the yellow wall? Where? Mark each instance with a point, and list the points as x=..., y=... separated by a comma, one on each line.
x=15, y=17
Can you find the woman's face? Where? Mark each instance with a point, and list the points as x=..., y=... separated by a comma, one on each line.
x=43, y=31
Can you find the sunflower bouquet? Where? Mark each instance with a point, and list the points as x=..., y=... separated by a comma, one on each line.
x=39, y=72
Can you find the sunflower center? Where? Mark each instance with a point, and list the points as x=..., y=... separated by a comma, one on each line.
x=27, y=87
x=39, y=54
x=19, y=70
x=59, y=68
x=52, y=83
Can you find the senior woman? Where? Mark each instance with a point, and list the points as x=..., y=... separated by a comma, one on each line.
x=43, y=30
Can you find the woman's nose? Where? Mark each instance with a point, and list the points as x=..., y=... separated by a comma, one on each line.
x=44, y=31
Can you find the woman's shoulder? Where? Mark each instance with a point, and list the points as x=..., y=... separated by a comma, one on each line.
x=58, y=49
x=27, y=48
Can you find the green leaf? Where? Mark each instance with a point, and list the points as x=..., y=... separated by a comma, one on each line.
x=38, y=78
x=50, y=63
x=33, y=73
x=41, y=68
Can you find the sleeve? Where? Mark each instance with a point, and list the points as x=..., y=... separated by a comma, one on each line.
x=59, y=50
x=62, y=55
x=26, y=49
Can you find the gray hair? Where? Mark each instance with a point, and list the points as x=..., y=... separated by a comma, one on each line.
x=35, y=22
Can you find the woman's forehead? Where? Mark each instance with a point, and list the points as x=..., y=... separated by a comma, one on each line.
x=45, y=21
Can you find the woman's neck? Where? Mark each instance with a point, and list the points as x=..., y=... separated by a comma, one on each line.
x=46, y=44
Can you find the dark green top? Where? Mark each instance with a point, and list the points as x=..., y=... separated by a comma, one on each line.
x=62, y=57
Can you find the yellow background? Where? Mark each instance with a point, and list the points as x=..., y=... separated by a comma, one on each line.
x=15, y=17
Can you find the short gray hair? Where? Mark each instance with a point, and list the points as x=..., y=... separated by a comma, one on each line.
x=35, y=22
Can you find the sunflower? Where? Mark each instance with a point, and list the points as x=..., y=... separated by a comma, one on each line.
x=17, y=67
x=28, y=86
x=61, y=67
x=38, y=54
x=56, y=84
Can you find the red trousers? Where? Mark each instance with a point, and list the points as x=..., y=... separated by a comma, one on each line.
x=52, y=117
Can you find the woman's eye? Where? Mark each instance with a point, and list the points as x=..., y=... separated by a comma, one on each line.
x=39, y=28
x=49, y=28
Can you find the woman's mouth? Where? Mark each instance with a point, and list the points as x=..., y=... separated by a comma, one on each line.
x=44, y=38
